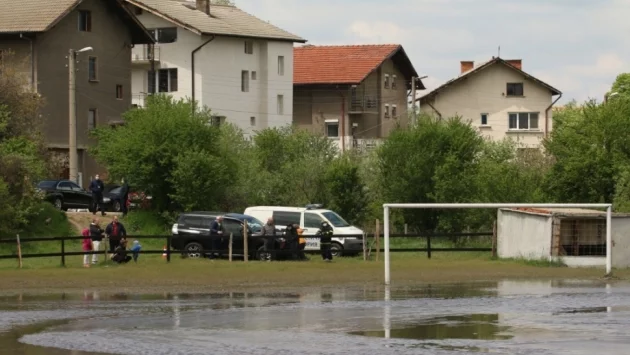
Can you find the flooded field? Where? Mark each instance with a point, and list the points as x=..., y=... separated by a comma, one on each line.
x=546, y=317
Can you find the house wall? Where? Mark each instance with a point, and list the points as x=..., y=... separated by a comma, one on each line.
x=111, y=39
x=218, y=67
x=391, y=97
x=523, y=235
x=483, y=92
x=17, y=55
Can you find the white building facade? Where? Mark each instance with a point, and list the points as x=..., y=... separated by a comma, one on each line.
x=242, y=68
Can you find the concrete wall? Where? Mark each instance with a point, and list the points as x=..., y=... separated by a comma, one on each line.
x=483, y=92
x=523, y=235
x=218, y=67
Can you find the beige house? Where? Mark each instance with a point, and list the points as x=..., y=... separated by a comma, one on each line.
x=352, y=94
x=499, y=99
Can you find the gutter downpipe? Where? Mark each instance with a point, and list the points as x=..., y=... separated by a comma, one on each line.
x=32, y=60
x=547, y=115
x=192, y=67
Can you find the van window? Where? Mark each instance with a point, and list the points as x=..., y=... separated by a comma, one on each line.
x=282, y=218
x=312, y=220
x=335, y=219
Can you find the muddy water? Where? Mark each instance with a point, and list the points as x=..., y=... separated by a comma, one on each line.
x=507, y=317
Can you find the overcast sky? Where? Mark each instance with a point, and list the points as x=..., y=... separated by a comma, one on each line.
x=577, y=46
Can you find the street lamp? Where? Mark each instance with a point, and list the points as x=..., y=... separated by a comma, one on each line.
x=73, y=160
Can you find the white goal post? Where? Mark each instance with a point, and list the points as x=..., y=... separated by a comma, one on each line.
x=387, y=206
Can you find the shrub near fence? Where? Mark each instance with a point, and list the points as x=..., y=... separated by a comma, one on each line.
x=400, y=243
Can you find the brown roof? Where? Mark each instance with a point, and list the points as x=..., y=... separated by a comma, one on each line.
x=224, y=20
x=481, y=67
x=346, y=64
x=27, y=16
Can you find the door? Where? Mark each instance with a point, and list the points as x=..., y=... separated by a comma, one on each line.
x=235, y=228
x=69, y=199
x=82, y=197
x=312, y=223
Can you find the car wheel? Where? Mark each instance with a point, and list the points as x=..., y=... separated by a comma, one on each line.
x=117, y=207
x=193, y=250
x=261, y=254
x=58, y=203
x=336, y=250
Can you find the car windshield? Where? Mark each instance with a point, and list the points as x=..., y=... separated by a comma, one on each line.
x=335, y=219
x=254, y=224
x=47, y=184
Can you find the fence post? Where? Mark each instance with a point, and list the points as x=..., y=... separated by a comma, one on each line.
x=168, y=248
x=377, y=235
x=364, y=250
x=63, y=251
x=245, y=242
x=494, y=239
x=19, y=249
x=405, y=228
x=429, y=246
x=230, y=247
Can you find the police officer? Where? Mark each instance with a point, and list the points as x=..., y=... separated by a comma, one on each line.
x=291, y=235
x=325, y=233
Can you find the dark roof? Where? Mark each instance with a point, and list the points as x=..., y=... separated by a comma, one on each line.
x=481, y=67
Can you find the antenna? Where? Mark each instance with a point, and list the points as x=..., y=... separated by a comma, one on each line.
x=499, y=54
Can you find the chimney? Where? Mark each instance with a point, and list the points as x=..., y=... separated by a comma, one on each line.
x=518, y=63
x=466, y=66
x=203, y=6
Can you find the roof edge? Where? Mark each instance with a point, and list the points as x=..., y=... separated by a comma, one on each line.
x=63, y=15
x=164, y=16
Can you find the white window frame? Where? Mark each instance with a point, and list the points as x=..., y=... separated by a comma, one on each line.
x=92, y=125
x=281, y=65
x=487, y=116
x=280, y=104
x=169, y=78
x=515, y=83
x=386, y=81
x=249, y=46
x=329, y=123
x=244, y=80
x=529, y=121
x=386, y=113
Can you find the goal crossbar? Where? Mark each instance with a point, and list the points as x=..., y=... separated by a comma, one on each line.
x=387, y=206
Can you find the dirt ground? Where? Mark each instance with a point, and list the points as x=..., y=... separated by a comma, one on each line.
x=80, y=220
x=152, y=274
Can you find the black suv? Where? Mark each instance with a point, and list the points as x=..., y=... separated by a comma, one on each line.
x=191, y=233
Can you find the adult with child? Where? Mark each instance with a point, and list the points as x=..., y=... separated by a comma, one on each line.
x=116, y=232
x=97, y=188
x=96, y=235
x=120, y=253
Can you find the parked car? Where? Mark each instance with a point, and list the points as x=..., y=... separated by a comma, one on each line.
x=115, y=199
x=66, y=194
x=347, y=239
x=191, y=233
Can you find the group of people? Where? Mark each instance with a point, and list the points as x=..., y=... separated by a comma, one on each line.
x=293, y=236
x=116, y=234
x=97, y=187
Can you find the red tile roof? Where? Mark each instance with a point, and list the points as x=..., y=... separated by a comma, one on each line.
x=338, y=64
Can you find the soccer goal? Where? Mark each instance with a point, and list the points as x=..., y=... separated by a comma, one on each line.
x=548, y=218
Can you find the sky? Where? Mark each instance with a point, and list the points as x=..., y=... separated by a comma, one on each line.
x=576, y=46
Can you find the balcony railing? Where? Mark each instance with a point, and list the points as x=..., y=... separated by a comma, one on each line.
x=138, y=100
x=143, y=54
x=363, y=103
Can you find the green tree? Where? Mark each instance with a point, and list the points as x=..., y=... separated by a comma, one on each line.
x=347, y=193
x=621, y=86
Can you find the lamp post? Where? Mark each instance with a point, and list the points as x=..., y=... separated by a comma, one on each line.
x=73, y=160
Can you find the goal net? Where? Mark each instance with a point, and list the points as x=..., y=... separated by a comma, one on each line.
x=576, y=234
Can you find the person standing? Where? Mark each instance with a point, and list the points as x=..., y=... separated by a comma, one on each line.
x=115, y=231
x=96, y=234
x=97, y=188
x=301, y=245
x=124, y=197
x=216, y=234
x=86, y=246
x=269, y=234
x=291, y=235
x=325, y=233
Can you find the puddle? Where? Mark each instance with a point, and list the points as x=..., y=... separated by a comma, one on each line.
x=474, y=326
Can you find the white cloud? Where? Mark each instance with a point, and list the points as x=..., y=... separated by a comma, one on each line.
x=608, y=64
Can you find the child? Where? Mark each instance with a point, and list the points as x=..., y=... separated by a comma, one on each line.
x=135, y=250
x=86, y=246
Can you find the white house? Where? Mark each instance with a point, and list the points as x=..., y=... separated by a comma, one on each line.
x=237, y=65
x=499, y=99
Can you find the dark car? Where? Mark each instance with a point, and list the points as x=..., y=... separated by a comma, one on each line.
x=191, y=233
x=114, y=197
x=65, y=194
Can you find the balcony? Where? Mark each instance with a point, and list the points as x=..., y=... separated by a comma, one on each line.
x=362, y=104
x=143, y=54
x=138, y=99
x=367, y=144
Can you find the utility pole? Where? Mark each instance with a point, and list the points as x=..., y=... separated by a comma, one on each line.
x=413, y=100
x=72, y=117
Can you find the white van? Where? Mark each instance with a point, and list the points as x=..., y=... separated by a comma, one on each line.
x=347, y=240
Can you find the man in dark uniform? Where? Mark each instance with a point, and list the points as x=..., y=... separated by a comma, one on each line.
x=325, y=233
x=97, y=188
x=216, y=233
x=292, y=237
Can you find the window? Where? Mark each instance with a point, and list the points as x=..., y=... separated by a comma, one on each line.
x=280, y=104
x=386, y=81
x=151, y=81
x=167, y=80
x=92, y=69
x=514, y=89
x=393, y=81
x=232, y=227
x=484, y=119
x=64, y=186
x=282, y=218
x=386, y=111
x=245, y=81
x=249, y=47
x=92, y=118
x=394, y=111
x=75, y=187
x=332, y=129
x=164, y=35
x=312, y=220
x=252, y=121
x=253, y=75
x=281, y=65
x=217, y=120
x=335, y=219
x=523, y=121
x=85, y=21
x=119, y=92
